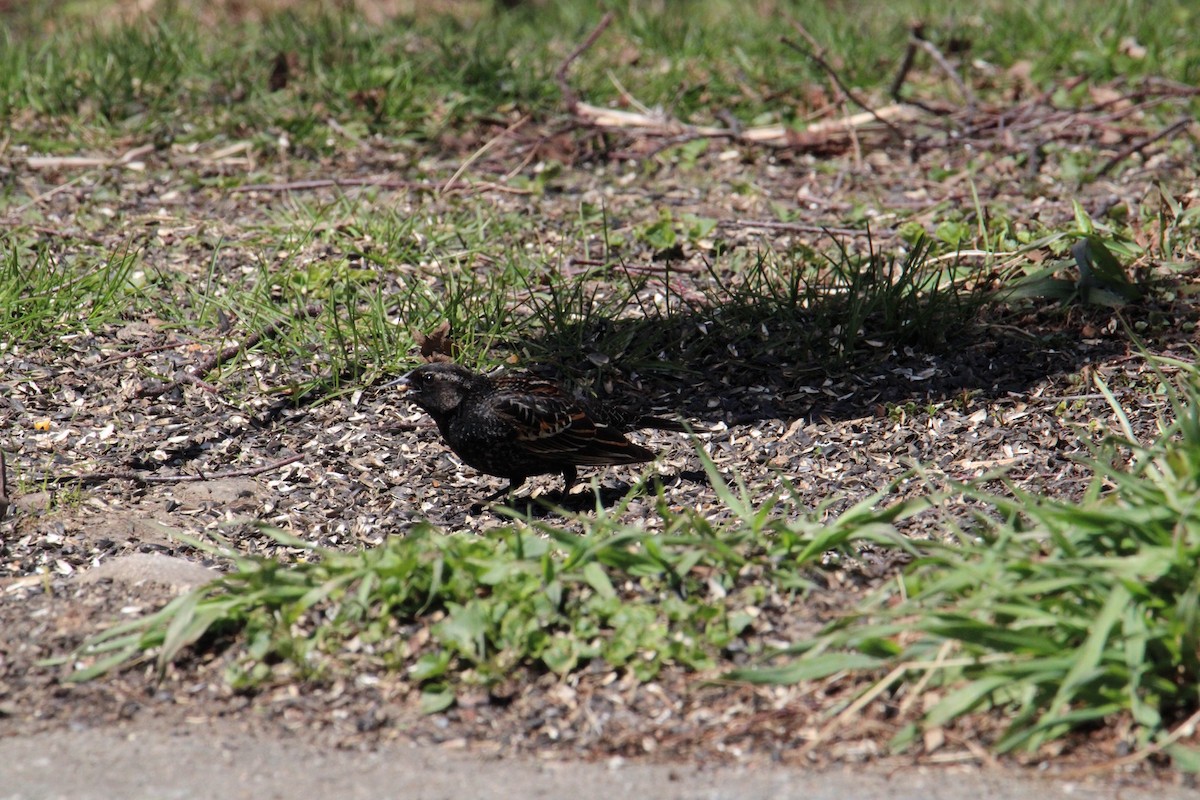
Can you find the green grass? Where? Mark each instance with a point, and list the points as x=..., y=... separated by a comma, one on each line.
x=387, y=275
x=1055, y=615
x=50, y=293
x=529, y=598
x=413, y=78
x=1050, y=616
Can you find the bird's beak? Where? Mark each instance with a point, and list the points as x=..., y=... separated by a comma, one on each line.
x=401, y=382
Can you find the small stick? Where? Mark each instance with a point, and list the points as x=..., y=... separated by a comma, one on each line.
x=801, y=227
x=820, y=62
x=323, y=183
x=61, y=234
x=144, y=480
x=488, y=145
x=906, y=63
x=1186, y=728
x=385, y=183
x=560, y=74
x=491, y=186
x=910, y=54
x=214, y=360
x=19, y=210
x=189, y=377
x=1175, y=88
x=138, y=353
x=929, y=47
x=733, y=123
x=4, y=501
x=1136, y=147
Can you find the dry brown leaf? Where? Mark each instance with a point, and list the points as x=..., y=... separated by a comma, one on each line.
x=437, y=345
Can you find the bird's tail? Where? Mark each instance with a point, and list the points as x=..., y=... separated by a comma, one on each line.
x=661, y=424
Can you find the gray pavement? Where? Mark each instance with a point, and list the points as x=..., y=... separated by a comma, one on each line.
x=210, y=762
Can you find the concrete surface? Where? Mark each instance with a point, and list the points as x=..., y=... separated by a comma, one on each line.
x=208, y=762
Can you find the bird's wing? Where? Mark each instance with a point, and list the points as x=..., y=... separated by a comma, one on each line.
x=540, y=412
x=551, y=423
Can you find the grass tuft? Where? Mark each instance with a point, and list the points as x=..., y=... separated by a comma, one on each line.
x=531, y=596
x=46, y=294
x=1056, y=615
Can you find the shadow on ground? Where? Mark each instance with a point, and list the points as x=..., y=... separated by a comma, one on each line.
x=773, y=365
x=583, y=500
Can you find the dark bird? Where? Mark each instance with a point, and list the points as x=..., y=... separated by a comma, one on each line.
x=516, y=426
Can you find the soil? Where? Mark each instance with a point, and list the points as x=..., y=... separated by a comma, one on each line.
x=1014, y=389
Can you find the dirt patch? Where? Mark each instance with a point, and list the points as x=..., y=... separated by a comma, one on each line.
x=1014, y=391
x=358, y=484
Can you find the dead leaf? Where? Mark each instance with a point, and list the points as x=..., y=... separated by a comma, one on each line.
x=1132, y=48
x=438, y=345
x=282, y=71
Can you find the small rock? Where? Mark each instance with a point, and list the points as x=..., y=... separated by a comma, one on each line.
x=32, y=503
x=234, y=492
x=137, y=568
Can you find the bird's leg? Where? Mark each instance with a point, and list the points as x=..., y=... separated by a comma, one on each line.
x=570, y=474
x=513, y=485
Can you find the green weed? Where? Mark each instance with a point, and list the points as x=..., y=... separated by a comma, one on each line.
x=46, y=294
x=531, y=596
x=1051, y=614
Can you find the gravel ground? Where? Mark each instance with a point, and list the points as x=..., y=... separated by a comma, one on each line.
x=1014, y=391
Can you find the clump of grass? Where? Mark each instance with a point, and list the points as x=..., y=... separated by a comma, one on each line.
x=414, y=75
x=338, y=318
x=527, y=597
x=46, y=294
x=1051, y=614
x=764, y=309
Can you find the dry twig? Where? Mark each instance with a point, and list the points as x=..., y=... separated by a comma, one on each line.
x=488, y=145
x=560, y=74
x=4, y=501
x=383, y=183
x=917, y=40
x=837, y=79
x=477, y=187
x=144, y=480
x=802, y=227
x=213, y=360
x=906, y=63
x=58, y=233
x=138, y=353
x=929, y=47
x=1185, y=729
x=323, y=183
x=1137, y=147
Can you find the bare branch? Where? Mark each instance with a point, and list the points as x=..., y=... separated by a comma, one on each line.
x=560, y=74
x=910, y=54
x=837, y=79
x=936, y=54
x=1137, y=147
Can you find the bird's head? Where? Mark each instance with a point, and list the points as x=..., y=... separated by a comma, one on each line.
x=438, y=388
